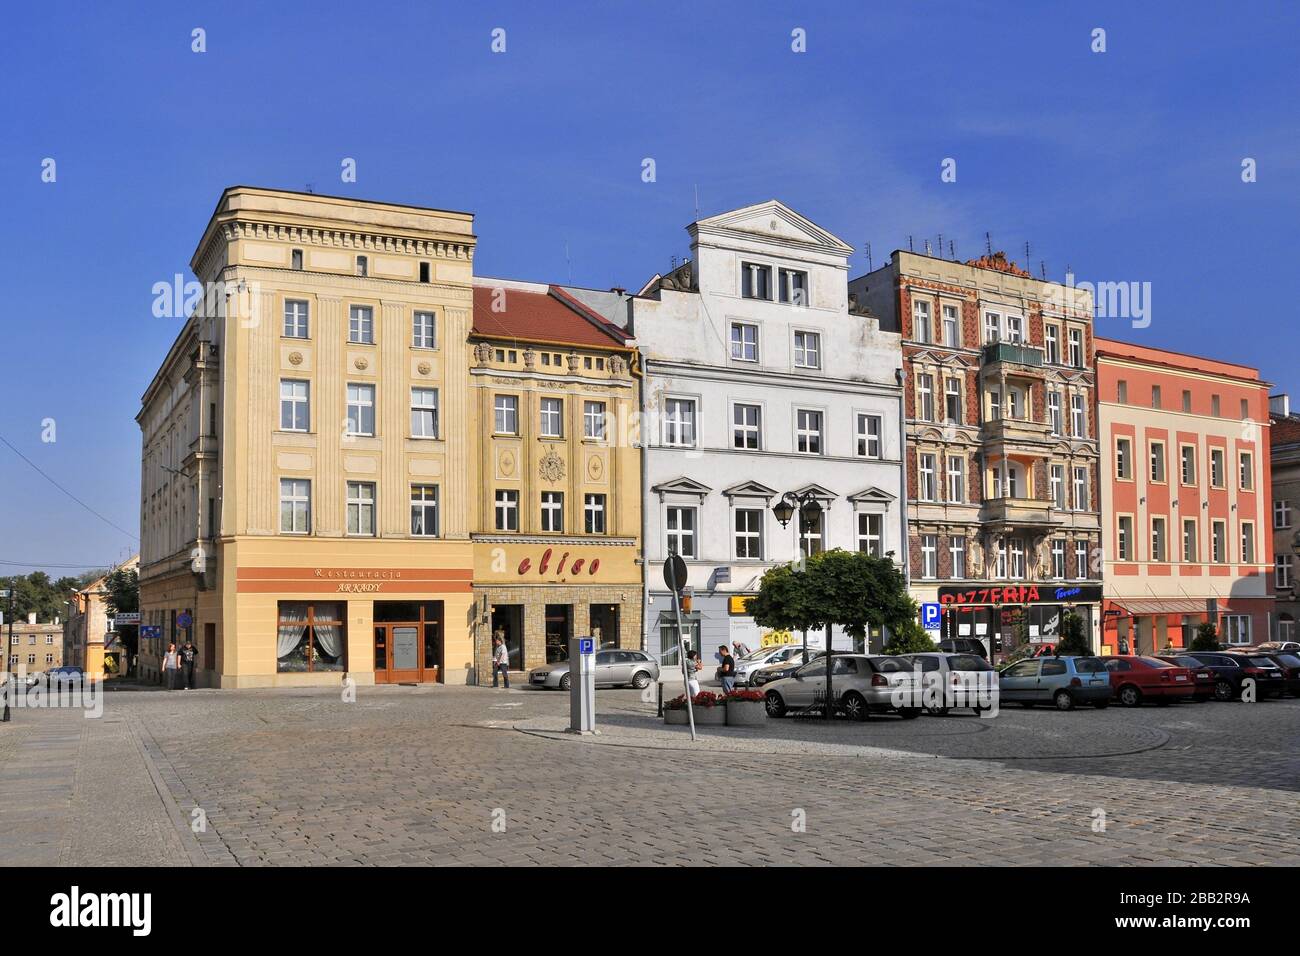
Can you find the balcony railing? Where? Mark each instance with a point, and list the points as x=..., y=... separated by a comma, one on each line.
x=1013, y=352
x=1016, y=511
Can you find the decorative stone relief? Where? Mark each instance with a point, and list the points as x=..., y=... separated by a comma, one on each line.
x=295, y=358
x=361, y=364
x=573, y=363
x=551, y=466
x=482, y=353
x=424, y=368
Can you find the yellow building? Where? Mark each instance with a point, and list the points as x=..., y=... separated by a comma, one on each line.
x=33, y=648
x=556, y=517
x=305, y=492
x=88, y=638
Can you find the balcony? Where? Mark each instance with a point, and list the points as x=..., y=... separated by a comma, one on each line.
x=1018, y=512
x=1013, y=353
x=1015, y=431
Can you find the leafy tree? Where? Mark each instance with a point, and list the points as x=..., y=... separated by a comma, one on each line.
x=123, y=589
x=909, y=638
x=1207, y=637
x=1074, y=641
x=36, y=592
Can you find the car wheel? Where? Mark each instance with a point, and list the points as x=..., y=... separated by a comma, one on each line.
x=855, y=708
x=1130, y=696
x=640, y=680
x=565, y=682
x=1063, y=700
x=1101, y=704
x=937, y=711
x=774, y=704
x=1223, y=690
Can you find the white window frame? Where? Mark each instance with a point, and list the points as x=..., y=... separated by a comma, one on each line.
x=1248, y=545
x=1078, y=416
x=1054, y=415
x=921, y=319
x=956, y=468
x=1052, y=343
x=296, y=493
x=297, y=323
x=296, y=403
x=424, y=330
x=1081, y=559
x=1217, y=454
x=1283, y=572
x=593, y=420
x=1124, y=538
x=927, y=479
x=739, y=346
x=361, y=325
x=951, y=391
x=552, y=512
x=361, y=505
x=1236, y=629
x=957, y=556
x=751, y=537
x=505, y=510
x=1246, y=471
x=424, y=412
x=742, y=431
x=807, y=343
x=1159, y=539
x=1186, y=460
x=505, y=414
x=929, y=556
x=593, y=513
x=951, y=324
x=1281, y=513
x=871, y=540
x=925, y=396
x=1058, y=559
x=1218, y=542
x=550, y=418
x=805, y=434
x=421, y=506
x=1081, y=490
x=360, y=401
x=1056, y=484
x=1191, y=548
x=678, y=539
x=679, y=421
x=1075, y=339
x=1157, y=463
x=785, y=291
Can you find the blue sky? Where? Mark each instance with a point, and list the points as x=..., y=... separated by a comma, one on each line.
x=1125, y=165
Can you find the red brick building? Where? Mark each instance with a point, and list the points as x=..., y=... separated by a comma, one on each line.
x=1186, y=498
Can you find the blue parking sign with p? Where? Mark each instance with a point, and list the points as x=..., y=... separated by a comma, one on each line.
x=930, y=616
x=585, y=645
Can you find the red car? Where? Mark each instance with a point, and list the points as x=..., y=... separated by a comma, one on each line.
x=1205, y=678
x=1135, y=679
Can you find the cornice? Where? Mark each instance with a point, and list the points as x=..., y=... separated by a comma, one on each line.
x=362, y=284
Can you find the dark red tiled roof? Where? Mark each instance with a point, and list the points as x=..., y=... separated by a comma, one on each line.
x=1285, y=431
x=552, y=316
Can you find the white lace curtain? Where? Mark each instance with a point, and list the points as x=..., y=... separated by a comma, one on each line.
x=327, y=639
x=293, y=624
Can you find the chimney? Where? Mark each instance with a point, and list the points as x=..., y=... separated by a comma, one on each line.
x=31, y=617
x=1280, y=404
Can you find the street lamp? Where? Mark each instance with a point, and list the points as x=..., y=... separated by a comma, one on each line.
x=12, y=682
x=810, y=510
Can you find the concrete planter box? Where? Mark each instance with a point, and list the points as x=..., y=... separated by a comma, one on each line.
x=710, y=716
x=675, y=717
x=746, y=713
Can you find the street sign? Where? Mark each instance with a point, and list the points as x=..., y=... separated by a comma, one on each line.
x=126, y=617
x=675, y=572
x=184, y=619
x=151, y=631
x=722, y=575
x=930, y=617
x=586, y=645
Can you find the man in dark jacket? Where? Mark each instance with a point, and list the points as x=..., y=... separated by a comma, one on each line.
x=189, y=659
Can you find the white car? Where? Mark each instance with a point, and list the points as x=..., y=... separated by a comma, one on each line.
x=863, y=684
x=776, y=654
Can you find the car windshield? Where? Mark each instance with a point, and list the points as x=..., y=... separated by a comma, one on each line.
x=1089, y=665
x=1290, y=660
x=968, y=662
x=925, y=663
x=758, y=654
x=891, y=665
x=1154, y=662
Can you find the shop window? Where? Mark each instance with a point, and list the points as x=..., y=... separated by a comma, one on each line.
x=311, y=638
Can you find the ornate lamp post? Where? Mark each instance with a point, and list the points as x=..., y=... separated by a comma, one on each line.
x=810, y=510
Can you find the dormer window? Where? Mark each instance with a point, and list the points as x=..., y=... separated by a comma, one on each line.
x=755, y=281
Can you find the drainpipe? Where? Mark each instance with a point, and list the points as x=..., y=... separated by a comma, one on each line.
x=902, y=496
x=634, y=366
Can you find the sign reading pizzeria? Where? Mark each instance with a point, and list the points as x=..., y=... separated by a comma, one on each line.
x=1020, y=594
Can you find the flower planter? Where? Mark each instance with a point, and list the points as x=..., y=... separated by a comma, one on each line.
x=710, y=716
x=746, y=713
x=675, y=717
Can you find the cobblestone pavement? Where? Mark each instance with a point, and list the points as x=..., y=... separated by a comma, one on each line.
x=452, y=775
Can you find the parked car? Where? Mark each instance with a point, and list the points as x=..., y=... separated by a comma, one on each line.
x=614, y=668
x=67, y=674
x=1231, y=671
x=755, y=660
x=1062, y=681
x=1135, y=679
x=964, y=645
x=1290, y=664
x=779, y=671
x=1266, y=672
x=21, y=681
x=1204, y=677
x=862, y=685
x=967, y=680
x=1286, y=647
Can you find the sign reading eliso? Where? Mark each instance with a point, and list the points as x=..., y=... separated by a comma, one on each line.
x=1020, y=594
x=544, y=564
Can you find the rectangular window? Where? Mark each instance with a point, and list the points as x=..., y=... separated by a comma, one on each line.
x=1187, y=400
x=1214, y=405
x=679, y=422
x=1015, y=328
x=1282, y=513
x=1123, y=458
x=1052, y=344
x=1282, y=577
x=1237, y=628
x=925, y=395
x=808, y=432
x=749, y=533
x=1247, y=542
x=1158, y=539
x=956, y=479
x=553, y=511
x=868, y=438
x=295, y=260
x=1017, y=552
x=295, y=506
x=744, y=342
x=1218, y=542
x=1121, y=392
x=1081, y=488
x=506, y=415
x=361, y=409
x=921, y=329
x=1018, y=402
x=951, y=326
x=755, y=281
x=1057, y=482
x=1155, y=396
x=1076, y=348
x=593, y=514
x=995, y=404
x=295, y=319
x=295, y=405
x=1054, y=412
x=1216, y=468
x=424, y=510
x=1189, y=540
x=507, y=510
x=1124, y=545
x=1187, y=467
x=952, y=401
x=425, y=272
x=957, y=551
x=992, y=327
x=680, y=531
x=593, y=420
x=363, y=266
x=1058, y=558
x=807, y=350
x=552, y=420
x=1246, y=468
x=1157, y=461
x=870, y=534
x=1081, y=560
x=929, y=556
x=361, y=325
x=424, y=413
x=1245, y=409
x=423, y=330
x=812, y=534
x=746, y=427
x=361, y=508
x=926, y=489
x=1078, y=422
x=794, y=286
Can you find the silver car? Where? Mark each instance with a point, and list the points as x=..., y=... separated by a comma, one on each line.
x=615, y=667
x=862, y=684
x=763, y=657
x=951, y=681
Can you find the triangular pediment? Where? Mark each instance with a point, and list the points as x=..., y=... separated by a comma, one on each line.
x=872, y=495
x=773, y=219
x=749, y=489
x=817, y=491
x=681, y=486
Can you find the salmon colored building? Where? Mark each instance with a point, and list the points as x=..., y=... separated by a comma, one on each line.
x=1185, y=499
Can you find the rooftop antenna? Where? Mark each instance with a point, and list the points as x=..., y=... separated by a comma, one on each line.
x=952, y=249
x=988, y=244
x=1042, y=269
x=697, y=200
x=940, y=245
x=909, y=244
x=311, y=188
x=927, y=247
x=567, y=264
x=868, y=251
x=1027, y=267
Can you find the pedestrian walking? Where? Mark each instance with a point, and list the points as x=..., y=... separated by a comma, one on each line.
x=171, y=664
x=693, y=667
x=189, y=660
x=500, y=662
x=739, y=649
x=727, y=670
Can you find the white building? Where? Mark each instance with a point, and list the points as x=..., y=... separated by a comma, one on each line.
x=759, y=381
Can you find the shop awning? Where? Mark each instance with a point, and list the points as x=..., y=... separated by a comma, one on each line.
x=1138, y=606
